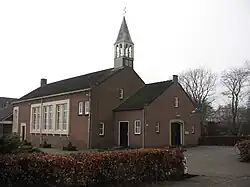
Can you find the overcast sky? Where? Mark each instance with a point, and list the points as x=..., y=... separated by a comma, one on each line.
x=58, y=39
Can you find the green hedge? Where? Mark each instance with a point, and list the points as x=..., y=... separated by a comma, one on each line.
x=221, y=140
x=94, y=168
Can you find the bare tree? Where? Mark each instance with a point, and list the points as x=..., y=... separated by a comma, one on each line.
x=234, y=80
x=200, y=85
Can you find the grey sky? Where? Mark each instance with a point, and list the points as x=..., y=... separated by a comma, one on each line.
x=60, y=39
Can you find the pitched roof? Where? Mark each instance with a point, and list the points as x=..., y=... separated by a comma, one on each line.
x=71, y=84
x=124, y=35
x=5, y=107
x=144, y=96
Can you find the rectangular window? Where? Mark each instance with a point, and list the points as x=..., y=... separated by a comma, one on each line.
x=45, y=117
x=86, y=108
x=61, y=116
x=80, y=108
x=50, y=117
x=176, y=102
x=35, y=118
x=58, y=116
x=101, y=126
x=137, y=127
x=65, y=116
x=193, y=129
x=157, y=127
x=15, y=120
x=121, y=93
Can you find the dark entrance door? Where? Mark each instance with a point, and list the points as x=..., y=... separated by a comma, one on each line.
x=23, y=133
x=124, y=134
x=175, y=134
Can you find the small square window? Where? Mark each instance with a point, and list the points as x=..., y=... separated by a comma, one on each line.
x=101, y=128
x=137, y=127
x=86, y=108
x=176, y=102
x=80, y=108
x=121, y=93
x=193, y=129
x=157, y=127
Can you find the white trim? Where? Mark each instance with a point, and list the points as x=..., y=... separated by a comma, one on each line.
x=135, y=127
x=16, y=122
x=119, y=123
x=53, y=95
x=103, y=127
x=21, y=131
x=5, y=122
x=182, y=130
x=53, y=130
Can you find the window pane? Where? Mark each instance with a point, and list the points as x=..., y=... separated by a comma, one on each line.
x=50, y=117
x=65, y=116
x=58, y=114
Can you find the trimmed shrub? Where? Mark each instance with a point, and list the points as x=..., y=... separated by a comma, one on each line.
x=244, y=147
x=9, y=144
x=94, y=168
x=221, y=140
x=70, y=147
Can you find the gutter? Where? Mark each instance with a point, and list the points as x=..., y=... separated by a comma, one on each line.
x=41, y=120
x=48, y=96
x=143, y=126
x=89, y=122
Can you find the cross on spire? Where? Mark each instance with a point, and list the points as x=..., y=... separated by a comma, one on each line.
x=124, y=11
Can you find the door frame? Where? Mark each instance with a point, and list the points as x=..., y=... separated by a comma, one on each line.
x=182, y=129
x=21, y=131
x=119, y=129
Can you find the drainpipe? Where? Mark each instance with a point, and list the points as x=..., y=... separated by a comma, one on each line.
x=40, y=122
x=143, y=126
x=89, y=121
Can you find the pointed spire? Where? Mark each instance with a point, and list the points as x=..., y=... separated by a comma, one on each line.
x=124, y=35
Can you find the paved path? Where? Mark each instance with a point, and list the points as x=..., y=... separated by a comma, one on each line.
x=216, y=167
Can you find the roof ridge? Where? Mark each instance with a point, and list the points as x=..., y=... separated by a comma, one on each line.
x=167, y=81
x=79, y=76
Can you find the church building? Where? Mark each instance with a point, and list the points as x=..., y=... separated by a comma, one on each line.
x=108, y=108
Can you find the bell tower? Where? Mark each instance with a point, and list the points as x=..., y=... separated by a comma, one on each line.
x=123, y=48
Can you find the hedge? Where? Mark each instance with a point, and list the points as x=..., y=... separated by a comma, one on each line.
x=221, y=140
x=244, y=147
x=94, y=168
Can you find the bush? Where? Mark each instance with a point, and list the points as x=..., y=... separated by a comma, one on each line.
x=244, y=147
x=221, y=140
x=9, y=144
x=94, y=168
x=45, y=145
x=69, y=147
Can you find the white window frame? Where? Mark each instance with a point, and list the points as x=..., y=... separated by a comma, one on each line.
x=80, y=108
x=86, y=107
x=157, y=127
x=121, y=93
x=176, y=102
x=101, y=129
x=15, y=119
x=137, y=127
x=53, y=130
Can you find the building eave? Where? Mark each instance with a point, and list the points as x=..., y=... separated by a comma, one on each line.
x=53, y=95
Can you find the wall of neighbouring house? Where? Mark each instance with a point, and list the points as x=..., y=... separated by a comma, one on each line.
x=162, y=110
x=135, y=140
x=105, y=98
x=78, y=125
